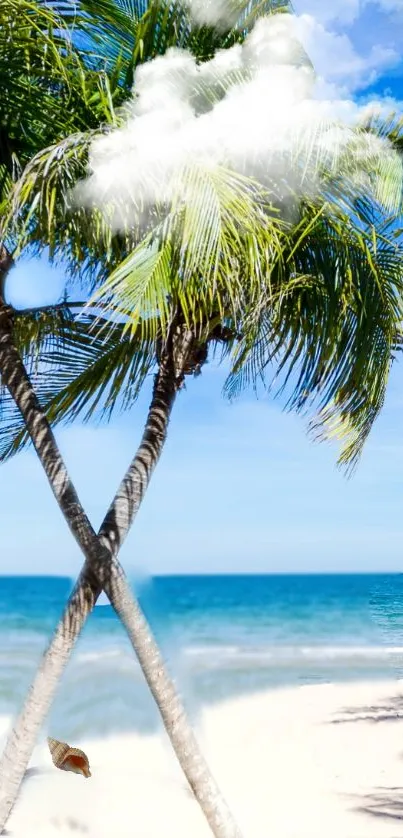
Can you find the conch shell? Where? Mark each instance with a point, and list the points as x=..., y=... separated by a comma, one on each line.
x=69, y=759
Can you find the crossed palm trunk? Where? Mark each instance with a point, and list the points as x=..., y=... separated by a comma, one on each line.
x=102, y=571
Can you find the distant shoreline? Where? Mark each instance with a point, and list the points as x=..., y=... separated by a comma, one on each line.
x=223, y=575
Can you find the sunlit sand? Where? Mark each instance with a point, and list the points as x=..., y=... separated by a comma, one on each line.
x=305, y=762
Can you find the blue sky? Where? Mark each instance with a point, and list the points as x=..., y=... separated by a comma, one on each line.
x=240, y=487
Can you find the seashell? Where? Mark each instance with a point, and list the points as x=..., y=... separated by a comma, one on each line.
x=69, y=759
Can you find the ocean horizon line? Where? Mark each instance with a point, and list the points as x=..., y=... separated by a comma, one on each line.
x=218, y=575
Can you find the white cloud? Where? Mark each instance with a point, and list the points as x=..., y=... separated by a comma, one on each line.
x=343, y=12
x=271, y=115
x=326, y=11
x=353, y=44
x=337, y=61
x=213, y=12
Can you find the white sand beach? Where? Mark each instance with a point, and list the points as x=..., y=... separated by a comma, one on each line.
x=306, y=762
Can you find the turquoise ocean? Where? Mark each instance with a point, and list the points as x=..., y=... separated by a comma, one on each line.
x=222, y=637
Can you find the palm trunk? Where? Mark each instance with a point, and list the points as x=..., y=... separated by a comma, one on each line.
x=126, y=503
x=183, y=741
x=114, y=528
x=101, y=569
x=21, y=741
x=22, y=738
x=16, y=379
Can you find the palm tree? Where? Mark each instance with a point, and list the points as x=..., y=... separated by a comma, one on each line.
x=179, y=352
x=101, y=568
x=47, y=91
x=324, y=294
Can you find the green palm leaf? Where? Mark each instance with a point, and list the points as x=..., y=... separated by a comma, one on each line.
x=79, y=368
x=214, y=250
x=135, y=31
x=317, y=301
x=332, y=332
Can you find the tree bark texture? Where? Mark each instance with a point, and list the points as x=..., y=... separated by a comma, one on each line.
x=101, y=570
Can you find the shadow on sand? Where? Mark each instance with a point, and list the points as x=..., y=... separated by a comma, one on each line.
x=384, y=803
x=390, y=710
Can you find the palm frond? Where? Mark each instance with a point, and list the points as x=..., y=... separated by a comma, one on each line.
x=40, y=332
x=135, y=31
x=386, y=126
x=40, y=213
x=83, y=368
x=47, y=91
x=215, y=249
x=318, y=302
x=330, y=335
